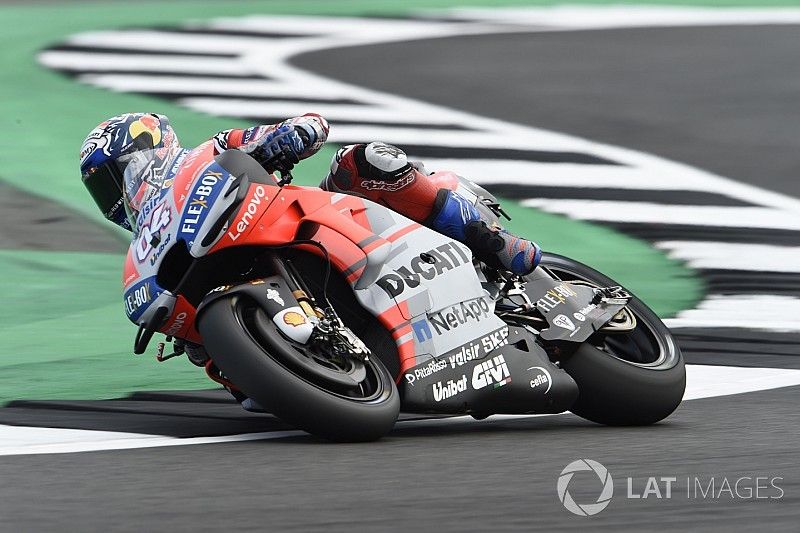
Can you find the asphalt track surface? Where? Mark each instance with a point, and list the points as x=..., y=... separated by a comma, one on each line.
x=35, y=223
x=498, y=475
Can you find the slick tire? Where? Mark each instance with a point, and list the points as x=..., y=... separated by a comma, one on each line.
x=618, y=390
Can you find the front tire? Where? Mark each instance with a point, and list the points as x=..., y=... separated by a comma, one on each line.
x=247, y=346
x=632, y=378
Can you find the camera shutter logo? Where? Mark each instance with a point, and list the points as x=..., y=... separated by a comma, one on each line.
x=586, y=509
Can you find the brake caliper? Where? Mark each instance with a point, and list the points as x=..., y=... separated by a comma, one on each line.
x=611, y=295
x=339, y=340
x=623, y=320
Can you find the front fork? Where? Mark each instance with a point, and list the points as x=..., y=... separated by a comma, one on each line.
x=298, y=315
x=304, y=298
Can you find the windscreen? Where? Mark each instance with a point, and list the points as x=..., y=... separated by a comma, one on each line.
x=144, y=173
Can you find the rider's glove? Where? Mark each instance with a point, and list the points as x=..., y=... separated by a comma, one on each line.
x=280, y=149
x=313, y=130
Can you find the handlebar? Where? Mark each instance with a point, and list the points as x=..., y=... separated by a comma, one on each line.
x=149, y=328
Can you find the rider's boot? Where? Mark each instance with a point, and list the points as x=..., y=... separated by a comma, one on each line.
x=382, y=173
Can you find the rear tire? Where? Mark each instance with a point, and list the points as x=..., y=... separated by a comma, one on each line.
x=635, y=378
x=255, y=357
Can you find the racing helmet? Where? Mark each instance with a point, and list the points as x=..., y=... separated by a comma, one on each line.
x=123, y=163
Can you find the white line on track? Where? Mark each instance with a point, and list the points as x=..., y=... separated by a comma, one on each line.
x=333, y=112
x=734, y=256
x=164, y=83
x=172, y=42
x=757, y=312
x=531, y=173
x=610, y=17
x=702, y=382
x=210, y=85
x=344, y=27
x=653, y=213
x=213, y=66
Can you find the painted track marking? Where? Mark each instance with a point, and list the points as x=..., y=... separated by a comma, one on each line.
x=702, y=382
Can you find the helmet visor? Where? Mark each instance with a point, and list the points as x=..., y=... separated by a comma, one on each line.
x=105, y=184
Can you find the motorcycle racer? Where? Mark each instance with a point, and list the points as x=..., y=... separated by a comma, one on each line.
x=221, y=263
x=376, y=171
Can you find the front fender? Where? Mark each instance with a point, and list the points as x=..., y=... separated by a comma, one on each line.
x=274, y=296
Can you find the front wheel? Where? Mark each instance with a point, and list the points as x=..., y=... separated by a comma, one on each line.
x=633, y=377
x=333, y=399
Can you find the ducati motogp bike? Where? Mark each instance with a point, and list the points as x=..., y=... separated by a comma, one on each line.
x=334, y=313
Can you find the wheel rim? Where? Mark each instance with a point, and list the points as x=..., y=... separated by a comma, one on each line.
x=300, y=360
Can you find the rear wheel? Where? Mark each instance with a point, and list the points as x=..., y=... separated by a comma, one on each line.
x=335, y=398
x=625, y=377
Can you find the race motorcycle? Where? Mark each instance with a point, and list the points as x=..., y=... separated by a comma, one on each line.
x=334, y=313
